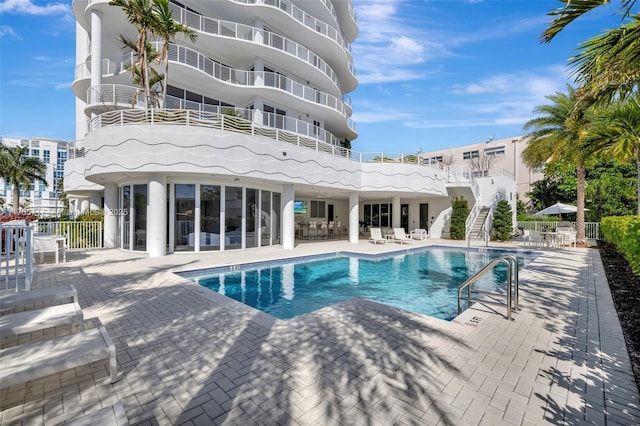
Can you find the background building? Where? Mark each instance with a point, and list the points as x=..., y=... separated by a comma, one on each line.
x=501, y=156
x=39, y=198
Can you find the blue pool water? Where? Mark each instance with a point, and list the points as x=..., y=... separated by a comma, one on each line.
x=421, y=281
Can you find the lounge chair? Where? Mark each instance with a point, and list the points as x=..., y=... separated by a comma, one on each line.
x=29, y=321
x=399, y=235
x=376, y=236
x=23, y=363
x=41, y=297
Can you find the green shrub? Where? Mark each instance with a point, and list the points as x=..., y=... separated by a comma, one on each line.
x=502, y=221
x=459, y=213
x=624, y=233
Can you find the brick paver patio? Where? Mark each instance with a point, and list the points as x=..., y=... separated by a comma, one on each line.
x=188, y=356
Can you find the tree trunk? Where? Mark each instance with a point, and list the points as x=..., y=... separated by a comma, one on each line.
x=16, y=198
x=582, y=178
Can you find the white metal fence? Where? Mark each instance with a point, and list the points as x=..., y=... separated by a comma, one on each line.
x=591, y=229
x=80, y=235
x=16, y=257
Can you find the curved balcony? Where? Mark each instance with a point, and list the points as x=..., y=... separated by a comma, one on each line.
x=107, y=97
x=272, y=80
x=231, y=123
x=304, y=18
x=271, y=120
x=252, y=34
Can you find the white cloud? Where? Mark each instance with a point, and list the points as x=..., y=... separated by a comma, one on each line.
x=6, y=31
x=27, y=7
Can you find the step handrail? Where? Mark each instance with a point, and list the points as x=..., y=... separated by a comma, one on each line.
x=512, y=285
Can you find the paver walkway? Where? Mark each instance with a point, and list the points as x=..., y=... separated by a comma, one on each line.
x=188, y=356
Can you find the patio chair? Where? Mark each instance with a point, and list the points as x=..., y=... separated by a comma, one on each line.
x=376, y=236
x=567, y=238
x=418, y=234
x=536, y=239
x=399, y=235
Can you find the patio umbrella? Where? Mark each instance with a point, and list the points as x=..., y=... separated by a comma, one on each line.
x=559, y=208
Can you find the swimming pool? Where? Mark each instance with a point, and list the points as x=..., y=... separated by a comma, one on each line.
x=423, y=281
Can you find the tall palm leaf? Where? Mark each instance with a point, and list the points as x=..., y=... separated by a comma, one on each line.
x=608, y=65
x=574, y=9
x=616, y=133
x=167, y=28
x=556, y=136
x=19, y=169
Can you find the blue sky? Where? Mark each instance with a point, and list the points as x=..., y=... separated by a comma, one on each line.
x=433, y=74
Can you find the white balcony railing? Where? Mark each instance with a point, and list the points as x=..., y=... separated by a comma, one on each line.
x=83, y=70
x=275, y=121
x=195, y=59
x=305, y=19
x=221, y=121
x=253, y=34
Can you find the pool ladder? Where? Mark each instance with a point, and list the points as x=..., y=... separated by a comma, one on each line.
x=512, y=286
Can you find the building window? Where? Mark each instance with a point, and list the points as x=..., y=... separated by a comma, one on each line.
x=497, y=151
x=435, y=160
x=35, y=153
x=470, y=154
x=46, y=156
x=318, y=209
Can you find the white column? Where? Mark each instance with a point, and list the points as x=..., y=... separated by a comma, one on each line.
x=96, y=47
x=111, y=210
x=288, y=217
x=354, y=210
x=157, y=216
x=395, y=212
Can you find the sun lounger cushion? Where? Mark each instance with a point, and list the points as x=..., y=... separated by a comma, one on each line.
x=113, y=415
x=19, y=301
x=39, y=319
x=23, y=363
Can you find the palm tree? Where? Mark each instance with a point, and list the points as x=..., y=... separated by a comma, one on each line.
x=574, y=9
x=616, y=133
x=140, y=14
x=608, y=65
x=167, y=28
x=556, y=136
x=20, y=169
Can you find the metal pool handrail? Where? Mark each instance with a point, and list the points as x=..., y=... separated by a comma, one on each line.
x=512, y=285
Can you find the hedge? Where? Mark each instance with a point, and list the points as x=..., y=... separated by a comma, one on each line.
x=624, y=233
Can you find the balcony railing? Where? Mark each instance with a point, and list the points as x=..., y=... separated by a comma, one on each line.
x=186, y=117
x=305, y=19
x=195, y=59
x=83, y=70
x=268, y=119
x=249, y=33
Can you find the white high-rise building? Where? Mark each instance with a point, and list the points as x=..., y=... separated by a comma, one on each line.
x=247, y=150
x=39, y=198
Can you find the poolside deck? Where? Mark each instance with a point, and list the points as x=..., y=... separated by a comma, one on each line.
x=189, y=357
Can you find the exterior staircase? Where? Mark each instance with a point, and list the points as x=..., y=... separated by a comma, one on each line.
x=476, y=229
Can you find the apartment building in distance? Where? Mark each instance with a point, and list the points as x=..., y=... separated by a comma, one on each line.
x=500, y=156
x=246, y=151
x=39, y=198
